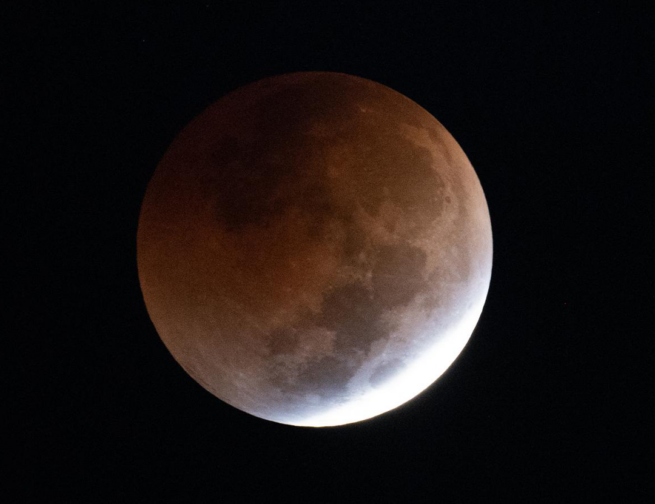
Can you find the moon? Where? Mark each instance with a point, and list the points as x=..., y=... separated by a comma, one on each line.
x=314, y=249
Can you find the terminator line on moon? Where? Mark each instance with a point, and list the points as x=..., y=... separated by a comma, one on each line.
x=314, y=249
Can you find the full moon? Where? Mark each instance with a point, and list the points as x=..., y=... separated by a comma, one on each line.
x=314, y=249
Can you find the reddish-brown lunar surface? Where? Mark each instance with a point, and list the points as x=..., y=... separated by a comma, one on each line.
x=314, y=249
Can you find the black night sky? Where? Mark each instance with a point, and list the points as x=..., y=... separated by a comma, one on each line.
x=549, y=400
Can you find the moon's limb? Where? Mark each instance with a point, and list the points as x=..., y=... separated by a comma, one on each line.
x=315, y=249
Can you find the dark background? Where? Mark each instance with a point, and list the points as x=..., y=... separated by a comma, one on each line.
x=549, y=400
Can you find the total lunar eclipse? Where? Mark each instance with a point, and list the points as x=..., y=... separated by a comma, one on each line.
x=314, y=249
